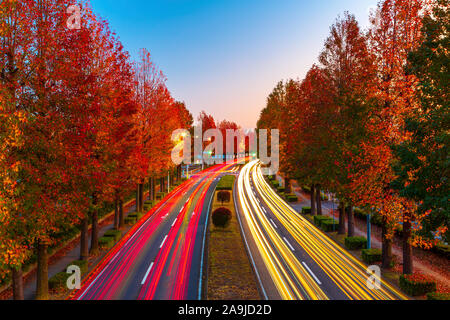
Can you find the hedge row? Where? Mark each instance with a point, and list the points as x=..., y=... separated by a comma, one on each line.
x=59, y=280
x=326, y=223
x=438, y=296
x=370, y=256
x=329, y=225
x=416, y=285
x=306, y=210
x=106, y=243
x=160, y=195
x=355, y=243
x=442, y=250
x=137, y=215
x=130, y=220
x=318, y=220
x=291, y=198
x=275, y=184
x=115, y=234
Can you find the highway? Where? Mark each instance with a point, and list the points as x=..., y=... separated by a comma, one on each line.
x=293, y=259
x=161, y=258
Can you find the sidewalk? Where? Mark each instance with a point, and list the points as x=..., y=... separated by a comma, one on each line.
x=425, y=262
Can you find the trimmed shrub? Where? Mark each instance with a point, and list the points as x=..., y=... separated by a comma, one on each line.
x=148, y=202
x=370, y=256
x=115, y=234
x=442, y=250
x=221, y=217
x=106, y=242
x=275, y=184
x=318, y=220
x=136, y=215
x=224, y=196
x=355, y=243
x=160, y=195
x=130, y=220
x=271, y=178
x=291, y=198
x=417, y=285
x=82, y=264
x=329, y=225
x=58, y=281
x=306, y=189
x=306, y=210
x=438, y=296
x=281, y=189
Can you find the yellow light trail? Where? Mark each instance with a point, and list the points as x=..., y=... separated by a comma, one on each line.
x=288, y=274
x=344, y=270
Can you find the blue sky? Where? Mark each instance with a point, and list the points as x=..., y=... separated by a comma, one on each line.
x=225, y=56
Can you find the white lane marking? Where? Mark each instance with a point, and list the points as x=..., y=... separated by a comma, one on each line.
x=289, y=244
x=163, y=242
x=274, y=224
x=174, y=222
x=264, y=209
x=146, y=275
x=312, y=273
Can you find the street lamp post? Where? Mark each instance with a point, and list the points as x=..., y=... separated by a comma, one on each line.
x=369, y=231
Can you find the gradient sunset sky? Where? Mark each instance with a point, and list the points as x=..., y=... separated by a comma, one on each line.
x=226, y=56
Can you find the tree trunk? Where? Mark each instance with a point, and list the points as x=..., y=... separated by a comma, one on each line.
x=121, y=215
x=42, y=272
x=287, y=183
x=84, y=242
x=169, y=183
x=116, y=214
x=318, y=200
x=313, y=200
x=407, y=248
x=151, y=189
x=94, y=234
x=141, y=198
x=138, y=201
x=386, y=246
x=161, y=185
x=341, y=218
x=17, y=279
x=351, y=221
